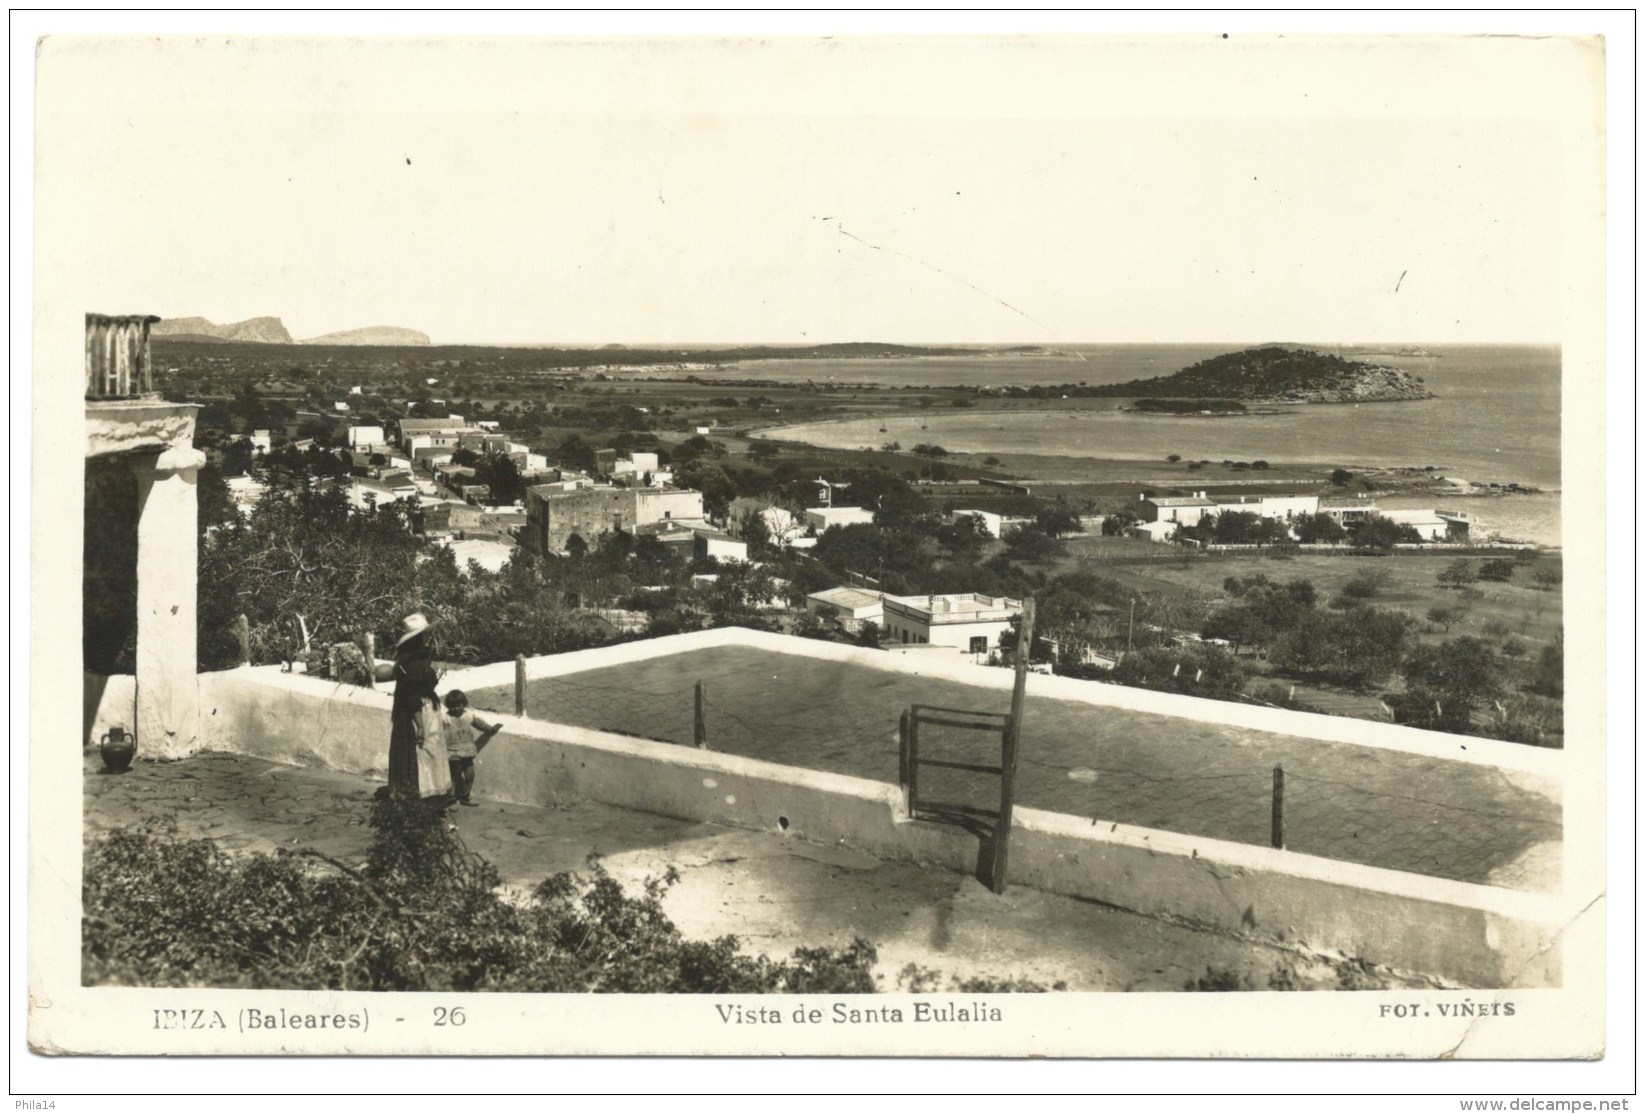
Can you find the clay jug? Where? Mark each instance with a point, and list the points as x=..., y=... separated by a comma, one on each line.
x=118, y=749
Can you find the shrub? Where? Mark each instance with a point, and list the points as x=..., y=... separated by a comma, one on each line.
x=423, y=914
x=1457, y=574
x=1219, y=979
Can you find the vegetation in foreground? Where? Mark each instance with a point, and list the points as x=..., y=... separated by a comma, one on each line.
x=426, y=914
x=423, y=914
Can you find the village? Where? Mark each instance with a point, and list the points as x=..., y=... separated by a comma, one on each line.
x=445, y=467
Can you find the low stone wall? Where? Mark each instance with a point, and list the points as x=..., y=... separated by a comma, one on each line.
x=1478, y=935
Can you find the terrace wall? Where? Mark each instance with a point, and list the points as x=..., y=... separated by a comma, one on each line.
x=1477, y=935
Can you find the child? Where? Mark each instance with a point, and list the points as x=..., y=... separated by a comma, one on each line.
x=465, y=734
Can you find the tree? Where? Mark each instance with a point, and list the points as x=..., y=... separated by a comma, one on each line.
x=1447, y=616
x=499, y=472
x=753, y=530
x=1341, y=477
x=1378, y=532
x=712, y=481
x=1030, y=543
x=698, y=446
x=574, y=452
x=1548, y=677
x=1057, y=519
x=1547, y=579
x=1238, y=624
x=964, y=537
x=1198, y=671
x=307, y=552
x=1457, y=574
x=237, y=458
x=1357, y=649
x=1173, y=457
x=1499, y=570
x=1445, y=683
x=1367, y=584
x=1119, y=523
x=215, y=502
x=1317, y=529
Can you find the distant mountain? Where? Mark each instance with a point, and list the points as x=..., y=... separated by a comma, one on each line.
x=255, y=330
x=384, y=335
x=1280, y=373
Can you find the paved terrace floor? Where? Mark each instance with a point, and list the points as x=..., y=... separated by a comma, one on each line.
x=1366, y=805
x=775, y=892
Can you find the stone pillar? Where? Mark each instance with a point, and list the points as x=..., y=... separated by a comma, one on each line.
x=168, y=692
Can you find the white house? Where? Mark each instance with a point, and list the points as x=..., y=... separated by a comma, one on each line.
x=721, y=546
x=1158, y=531
x=1281, y=508
x=821, y=518
x=1428, y=524
x=967, y=622
x=363, y=436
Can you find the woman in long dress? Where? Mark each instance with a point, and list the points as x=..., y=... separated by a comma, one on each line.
x=414, y=692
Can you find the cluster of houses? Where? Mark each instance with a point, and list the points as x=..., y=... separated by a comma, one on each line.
x=1162, y=515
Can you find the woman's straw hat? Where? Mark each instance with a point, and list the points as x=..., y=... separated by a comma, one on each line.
x=414, y=624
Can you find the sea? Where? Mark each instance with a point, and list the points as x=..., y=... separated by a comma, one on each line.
x=1495, y=418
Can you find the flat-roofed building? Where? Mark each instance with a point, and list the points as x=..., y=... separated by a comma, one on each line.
x=554, y=514
x=821, y=518
x=708, y=542
x=1185, y=510
x=850, y=607
x=968, y=621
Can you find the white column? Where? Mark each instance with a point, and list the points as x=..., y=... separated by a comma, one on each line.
x=168, y=693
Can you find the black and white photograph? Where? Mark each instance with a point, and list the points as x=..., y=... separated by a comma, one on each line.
x=1076, y=546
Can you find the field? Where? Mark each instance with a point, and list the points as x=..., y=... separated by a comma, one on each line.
x=1383, y=808
x=1515, y=609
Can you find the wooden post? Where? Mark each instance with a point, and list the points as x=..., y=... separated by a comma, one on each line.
x=519, y=685
x=331, y=660
x=242, y=637
x=1277, y=831
x=699, y=726
x=368, y=643
x=903, y=763
x=1008, y=760
x=913, y=762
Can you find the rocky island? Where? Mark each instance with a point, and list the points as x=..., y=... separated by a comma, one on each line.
x=1279, y=374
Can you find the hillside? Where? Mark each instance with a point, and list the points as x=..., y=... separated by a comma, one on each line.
x=255, y=330
x=1276, y=373
x=383, y=335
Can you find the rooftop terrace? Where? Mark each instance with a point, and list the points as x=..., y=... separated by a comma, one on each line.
x=1364, y=804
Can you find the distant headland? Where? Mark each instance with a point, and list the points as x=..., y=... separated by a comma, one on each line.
x=1277, y=373
x=271, y=330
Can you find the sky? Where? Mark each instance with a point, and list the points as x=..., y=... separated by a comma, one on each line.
x=807, y=190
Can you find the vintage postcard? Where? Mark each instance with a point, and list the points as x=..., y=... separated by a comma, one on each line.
x=1068, y=546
